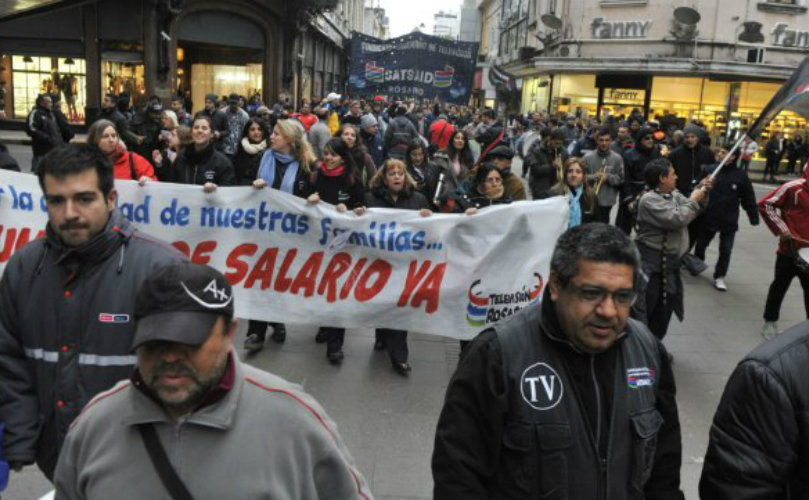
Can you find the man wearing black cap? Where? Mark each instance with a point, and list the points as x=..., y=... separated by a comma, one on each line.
x=237, y=118
x=146, y=126
x=500, y=156
x=109, y=111
x=218, y=118
x=66, y=305
x=635, y=161
x=192, y=414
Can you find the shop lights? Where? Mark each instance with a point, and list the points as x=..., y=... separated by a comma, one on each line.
x=230, y=76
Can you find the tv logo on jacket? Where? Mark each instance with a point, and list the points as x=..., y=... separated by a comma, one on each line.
x=541, y=387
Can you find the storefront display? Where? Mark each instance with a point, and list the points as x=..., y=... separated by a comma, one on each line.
x=33, y=75
x=223, y=80
x=123, y=77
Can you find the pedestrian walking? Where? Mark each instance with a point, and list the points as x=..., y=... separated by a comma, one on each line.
x=580, y=197
x=605, y=170
x=43, y=130
x=570, y=396
x=191, y=395
x=66, y=305
x=236, y=120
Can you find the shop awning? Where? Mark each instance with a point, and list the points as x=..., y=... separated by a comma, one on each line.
x=12, y=9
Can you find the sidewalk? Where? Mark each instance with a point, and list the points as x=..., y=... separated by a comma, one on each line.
x=19, y=137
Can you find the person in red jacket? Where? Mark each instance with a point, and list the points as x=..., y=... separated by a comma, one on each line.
x=786, y=212
x=126, y=164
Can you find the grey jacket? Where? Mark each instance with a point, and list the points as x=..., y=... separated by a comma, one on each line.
x=666, y=217
x=265, y=438
x=319, y=135
x=66, y=327
x=614, y=163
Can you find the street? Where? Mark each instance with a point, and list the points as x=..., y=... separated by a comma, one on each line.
x=388, y=422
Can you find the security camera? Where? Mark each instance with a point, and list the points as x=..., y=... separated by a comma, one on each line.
x=165, y=36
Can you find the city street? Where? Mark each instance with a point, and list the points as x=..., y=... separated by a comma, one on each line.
x=388, y=422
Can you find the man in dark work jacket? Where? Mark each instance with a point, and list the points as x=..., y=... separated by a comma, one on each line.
x=570, y=399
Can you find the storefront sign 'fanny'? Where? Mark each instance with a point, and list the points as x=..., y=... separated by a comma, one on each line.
x=290, y=261
x=603, y=28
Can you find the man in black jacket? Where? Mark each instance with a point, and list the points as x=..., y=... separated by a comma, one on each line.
x=109, y=111
x=731, y=188
x=399, y=134
x=569, y=399
x=759, y=440
x=635, y=160
x=43, y=129
x=491, y=133
x=66, y=305
x=544, y=161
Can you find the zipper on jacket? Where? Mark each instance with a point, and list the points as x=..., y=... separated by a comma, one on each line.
x=602, y=462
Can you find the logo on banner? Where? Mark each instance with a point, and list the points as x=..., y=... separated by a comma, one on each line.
x=640, y=377
x=113, y=318
x=541, y=387
x=444, y=78
x=484, y=310
x=374, y=73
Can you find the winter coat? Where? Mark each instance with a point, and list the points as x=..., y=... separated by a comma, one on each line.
x=408, y=199
x=127, y=164
x=452, y=182
x=245, y=165
x=74, y=340
x=340, y=189
x=63, y=124
x=200, y=167
x=220, y=124
x=398, y=136
x=635, y=161
x=7, y=162
x=594, y=162
x=375, y=146
x=236, y=121
x=143, y=125
x=786, y=211
x=490, y=135
x=539, y=161
x=688, y=165
x=45, y=135
x=663, y=220
x=121, y=125
x=319, y=135
x=759, y=440
x=731, y=188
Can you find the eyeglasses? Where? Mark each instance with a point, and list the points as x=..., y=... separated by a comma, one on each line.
x=596, y=295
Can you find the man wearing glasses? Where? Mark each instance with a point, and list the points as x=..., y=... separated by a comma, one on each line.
x=569, y=399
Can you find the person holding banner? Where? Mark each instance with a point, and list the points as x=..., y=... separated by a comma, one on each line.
x=337, y=181
x=569, y=396
x=580, y=195
x=66, y=305
x=126, y=164
x=201, y=163
x=487, y=190
x=785, y=210
x=254, y=142
x=393, y=187
x=362, y=159
x=286, y=166
x=421, y=169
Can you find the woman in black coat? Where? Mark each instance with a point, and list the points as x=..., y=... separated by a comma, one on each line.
x=250, y=150
x=200, y=163
x=393, y=187
x=337, y=181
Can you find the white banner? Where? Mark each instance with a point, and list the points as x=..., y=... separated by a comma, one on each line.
x=292, y=262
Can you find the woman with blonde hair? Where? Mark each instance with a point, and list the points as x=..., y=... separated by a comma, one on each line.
x=574, y=185
x=126, y=164
x=284, y=166
x=393, y=187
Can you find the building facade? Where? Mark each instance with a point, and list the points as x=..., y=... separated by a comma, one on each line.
x=82, y=50
x=718, y=61
x=445, y=25
x=376, y=23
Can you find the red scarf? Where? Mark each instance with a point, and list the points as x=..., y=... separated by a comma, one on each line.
x=335, y=172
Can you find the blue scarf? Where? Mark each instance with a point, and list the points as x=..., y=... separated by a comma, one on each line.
x=266, y=169
x=575, y=206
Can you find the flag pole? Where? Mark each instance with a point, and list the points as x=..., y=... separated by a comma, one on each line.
x=730, y=154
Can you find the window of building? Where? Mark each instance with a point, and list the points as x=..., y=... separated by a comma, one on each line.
x=575, y=94
x=65, y=77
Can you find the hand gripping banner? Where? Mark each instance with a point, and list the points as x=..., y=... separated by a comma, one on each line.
x=290, y=261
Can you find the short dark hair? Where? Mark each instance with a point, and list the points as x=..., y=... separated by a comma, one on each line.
x=76, y=158
x=654, y=170
x=178, y=98
x=596, y=242
x=557, y=133
x=604, y=131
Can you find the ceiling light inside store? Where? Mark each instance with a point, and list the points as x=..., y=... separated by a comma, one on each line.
x=232, y=77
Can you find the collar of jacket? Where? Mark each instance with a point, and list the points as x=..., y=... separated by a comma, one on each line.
x=117, y=231
x=383, y=192
x=217, y=410
x=550, y=326
x=196, y=157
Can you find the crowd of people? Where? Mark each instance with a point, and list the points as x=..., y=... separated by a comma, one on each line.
x=644, y=203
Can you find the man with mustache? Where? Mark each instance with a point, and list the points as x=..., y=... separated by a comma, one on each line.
x=569, y=399
x=192, y=415
x=66, y=305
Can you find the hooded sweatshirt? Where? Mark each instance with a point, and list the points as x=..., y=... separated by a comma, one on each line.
x=786, y=211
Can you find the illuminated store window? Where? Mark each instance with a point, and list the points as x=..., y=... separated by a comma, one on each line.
x=55, y=75
x=222, y=80
x=123, y=77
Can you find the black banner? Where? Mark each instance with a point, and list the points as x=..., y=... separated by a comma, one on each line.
x=415, y=66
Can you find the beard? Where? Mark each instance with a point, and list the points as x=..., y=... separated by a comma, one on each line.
x=184, y=399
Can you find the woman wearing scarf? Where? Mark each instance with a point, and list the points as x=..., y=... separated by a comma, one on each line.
x=250, y=151
x=487, y=190
x=286, y=166
x=393, y=187
x=200, y=163
x=580, y=195
x=126, y=165
x=455, y=162
x=421, y=169
x=337, y=182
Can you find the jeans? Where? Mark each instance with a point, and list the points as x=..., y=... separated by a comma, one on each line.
x=785, y=271
x=336, y=337
x=726, y=239
x=259, y=327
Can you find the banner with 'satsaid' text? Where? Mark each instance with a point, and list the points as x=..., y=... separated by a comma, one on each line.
x=293, y=262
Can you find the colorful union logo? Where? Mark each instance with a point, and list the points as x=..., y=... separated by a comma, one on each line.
x=374, y=73
x=484, y=310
